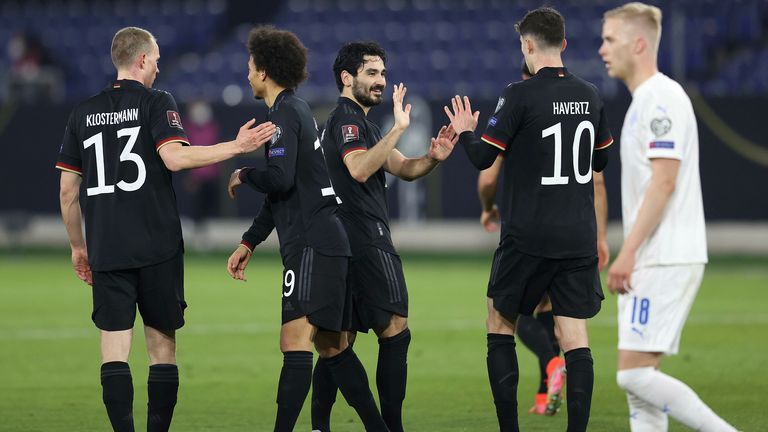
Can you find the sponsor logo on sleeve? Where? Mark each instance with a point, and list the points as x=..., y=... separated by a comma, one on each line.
x=276, y=151
x=492, y=121
x=662, y=144
x=174, y=119
x=660, y=126
x=350, y=133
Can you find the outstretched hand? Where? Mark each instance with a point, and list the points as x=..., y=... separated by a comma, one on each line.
x=402, y=115
x=462, y=118
x=234, y=182
x=441, y=146
x=249, y=140
x=237, y=263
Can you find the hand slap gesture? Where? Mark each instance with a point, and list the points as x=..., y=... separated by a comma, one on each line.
x=462, y=118
x=402, y=116
x=442, y=146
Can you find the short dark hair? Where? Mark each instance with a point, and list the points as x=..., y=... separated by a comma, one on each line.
x=545, y=24
x=280, y=54
x=352, y=55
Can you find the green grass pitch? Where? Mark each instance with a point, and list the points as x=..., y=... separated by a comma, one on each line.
x=229, y=354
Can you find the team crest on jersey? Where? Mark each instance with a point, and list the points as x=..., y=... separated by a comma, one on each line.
x=350, y=133
x=276, y=136
x=660, y=126
x=499, y=105
x=174, y=119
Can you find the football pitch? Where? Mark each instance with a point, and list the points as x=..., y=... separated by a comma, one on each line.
x=229, y=356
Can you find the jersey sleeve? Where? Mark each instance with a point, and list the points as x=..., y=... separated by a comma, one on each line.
x=69, y=152
x=282, y=154
x=603, y=142
x=350, y=135
x=663, y=127
x=166, y=121
x=504, y=122
x=262, y=226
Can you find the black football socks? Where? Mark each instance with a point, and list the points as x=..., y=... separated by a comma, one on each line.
x=117, y=394
x=503, y=374
x=535, y=337
x=350, y=376
x=581, y=377
x=295, y=379
x=391, y=377
x=324, y=391
x=162, y=391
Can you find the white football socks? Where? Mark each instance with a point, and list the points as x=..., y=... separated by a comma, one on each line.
x=650, y=390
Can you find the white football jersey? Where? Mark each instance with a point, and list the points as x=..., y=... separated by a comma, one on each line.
x=660, y=123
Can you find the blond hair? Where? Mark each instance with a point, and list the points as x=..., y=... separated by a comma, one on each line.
x=129, y=43
x=646, y=15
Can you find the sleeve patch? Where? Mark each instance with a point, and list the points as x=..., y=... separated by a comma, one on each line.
x=276, y=151
x=662, y=145
x=660, y=126
x=174, y=119
x=350, y=133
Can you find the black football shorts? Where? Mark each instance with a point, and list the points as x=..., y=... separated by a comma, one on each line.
x=158, y=291
x=378, y=289
x=315, y=285
x=519, y=281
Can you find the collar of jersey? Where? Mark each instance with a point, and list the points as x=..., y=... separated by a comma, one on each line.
x=353, y=104
x=553, y=71
x=125, y=83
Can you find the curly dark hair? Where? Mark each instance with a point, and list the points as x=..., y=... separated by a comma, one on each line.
x=545, y=24
x=280, y=54
x=351, y=56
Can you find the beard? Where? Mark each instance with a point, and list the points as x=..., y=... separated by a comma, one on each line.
x=364, y=96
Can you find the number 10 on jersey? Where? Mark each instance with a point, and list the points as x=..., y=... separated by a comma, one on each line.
x=557, y=130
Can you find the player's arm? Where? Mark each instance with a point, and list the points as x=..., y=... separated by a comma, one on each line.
x=486, y=191
x=178, y=155
x=601, y=216
x=657, y=195
x=69, y=198
x=464, y=122
x=410, y=169
x=262, y=226
x=280, y=173
x=603, y=143
x=364, y=162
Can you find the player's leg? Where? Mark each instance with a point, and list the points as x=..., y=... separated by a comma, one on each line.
x=163, y=379
x=536, y=337
x=161, y=304
x=651, y=319
x=572, y=335
x=392, y=370
x=324, y=391
x=296, y=374
x=349, y=375
x=576, y=295
x=503, y=370
x=114, y=302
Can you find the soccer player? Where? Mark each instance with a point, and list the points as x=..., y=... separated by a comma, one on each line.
x=123, y=144
x=553, y=132
x=537, y=332
x=661, y=263
x=302, y=205
x=358, y=157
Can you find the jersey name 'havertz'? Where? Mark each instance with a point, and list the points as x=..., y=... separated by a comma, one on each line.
x=113, y=140
x=364, y=208
x=300, y=202
x=542, y=125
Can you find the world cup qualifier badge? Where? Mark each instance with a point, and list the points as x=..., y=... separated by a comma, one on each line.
x=174, y=119
x=660, y=126
x=350, y=133
x=276, y=136
x=499, y=105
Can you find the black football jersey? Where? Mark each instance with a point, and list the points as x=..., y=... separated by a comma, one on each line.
x=301, y=202
x=548, y=128
x=129, y=205
x=364, y=207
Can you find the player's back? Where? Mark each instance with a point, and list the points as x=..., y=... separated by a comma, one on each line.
x=554, y=121
x=113, y=140
x=305, y=214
